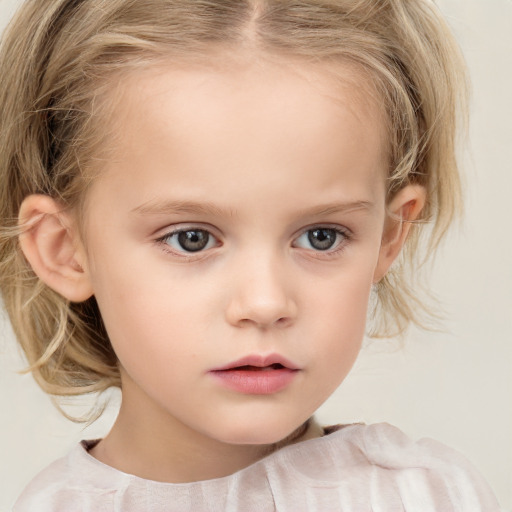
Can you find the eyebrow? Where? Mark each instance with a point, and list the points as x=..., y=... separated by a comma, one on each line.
x=330, y=208
x=162, y=207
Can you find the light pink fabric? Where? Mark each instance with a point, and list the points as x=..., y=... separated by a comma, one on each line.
x=358, y=468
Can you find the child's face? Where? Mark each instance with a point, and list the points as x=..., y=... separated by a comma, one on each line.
x=241, y=215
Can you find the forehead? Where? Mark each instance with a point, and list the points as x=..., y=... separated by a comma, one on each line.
x=246, y=76
x=191, y=122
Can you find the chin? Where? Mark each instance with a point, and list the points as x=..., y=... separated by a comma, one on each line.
x=272, y=433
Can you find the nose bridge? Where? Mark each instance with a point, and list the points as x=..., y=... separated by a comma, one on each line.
x=262, y=291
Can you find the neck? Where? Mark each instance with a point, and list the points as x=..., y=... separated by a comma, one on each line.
x=164, y=449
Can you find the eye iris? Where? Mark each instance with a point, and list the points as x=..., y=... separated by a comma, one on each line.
x=322, y=238
x=193, y=240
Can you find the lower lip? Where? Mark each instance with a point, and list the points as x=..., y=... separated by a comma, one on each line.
x=256, y=382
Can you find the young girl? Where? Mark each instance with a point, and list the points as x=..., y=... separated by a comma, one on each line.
x=198, y=198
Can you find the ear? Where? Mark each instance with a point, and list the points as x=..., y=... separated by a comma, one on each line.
x=51, y=245
x=402, y=210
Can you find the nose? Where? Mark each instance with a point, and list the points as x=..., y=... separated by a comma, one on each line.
x=261, y=295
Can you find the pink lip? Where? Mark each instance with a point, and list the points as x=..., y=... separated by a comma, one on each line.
x=244, y=375
x=259, y=361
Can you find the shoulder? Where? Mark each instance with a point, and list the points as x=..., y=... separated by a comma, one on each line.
x=387, y=446
x=40, y=490
x=444, y=472
x=68, y=484
x=422, y=475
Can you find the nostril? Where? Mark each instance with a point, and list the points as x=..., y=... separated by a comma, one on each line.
x=283, y=321
x=261, y=311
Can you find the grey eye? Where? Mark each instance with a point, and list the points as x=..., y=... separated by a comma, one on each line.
x=190, y=240
x=320, y=239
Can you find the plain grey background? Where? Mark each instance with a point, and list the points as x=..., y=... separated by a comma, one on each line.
x=455, y=386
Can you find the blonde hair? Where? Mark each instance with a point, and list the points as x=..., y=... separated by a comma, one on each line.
x=59, y=56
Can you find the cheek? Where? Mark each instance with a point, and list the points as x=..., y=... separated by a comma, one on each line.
x=343, y=323
x=340, y=299
x=150, y=313
x=335, y=334
x=337, y=321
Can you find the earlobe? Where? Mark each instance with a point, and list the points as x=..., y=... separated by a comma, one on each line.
x=402, y=210
x=50, y=245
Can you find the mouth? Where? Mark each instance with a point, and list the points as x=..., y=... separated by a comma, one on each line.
x=257, y=375
x=258, y=362
x=250, y=368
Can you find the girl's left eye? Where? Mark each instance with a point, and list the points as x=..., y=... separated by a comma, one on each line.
x=189, y=240
x=321, y=239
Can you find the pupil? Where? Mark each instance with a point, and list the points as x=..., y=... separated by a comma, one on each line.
x=322, y=239
x=194, y=240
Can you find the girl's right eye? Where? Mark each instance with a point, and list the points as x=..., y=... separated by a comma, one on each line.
x=189, y=240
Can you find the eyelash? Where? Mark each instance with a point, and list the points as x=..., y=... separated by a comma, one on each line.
x=346, y=235
x=163, y=243
x=340, y=245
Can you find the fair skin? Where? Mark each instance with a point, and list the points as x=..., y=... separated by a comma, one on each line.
x=277, y=176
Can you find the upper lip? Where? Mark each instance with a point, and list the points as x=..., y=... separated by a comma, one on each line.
x=260, y=361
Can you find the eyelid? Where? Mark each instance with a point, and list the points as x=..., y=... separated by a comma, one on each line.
x=186, y=226
x=341, y=230
x=344, y=230
x=212, y=231
x=183, y=227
